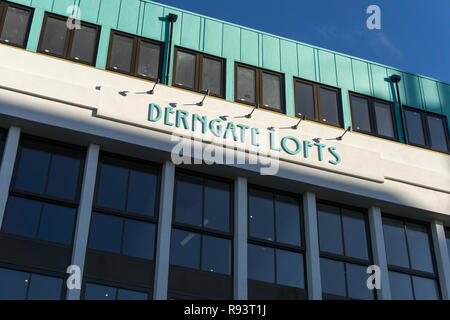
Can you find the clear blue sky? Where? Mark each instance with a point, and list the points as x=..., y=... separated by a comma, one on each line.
x=414, y=35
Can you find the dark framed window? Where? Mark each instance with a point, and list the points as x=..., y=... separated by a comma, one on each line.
x=427, y=130
x=15, y=22
x=276, y=268
x=135, y=56
x=373, y=116
x=255, y=86
x=199, y=72
x=447, y=237
x=2, y=144
x=318, y=102
x=93, y=291
x=410, y=258
x=201, y=243
x=78, y=45
x=344, y=252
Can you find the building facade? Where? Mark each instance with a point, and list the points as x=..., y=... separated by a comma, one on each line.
x=160, y=154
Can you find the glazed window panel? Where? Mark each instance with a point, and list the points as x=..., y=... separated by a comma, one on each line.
x=84, y=44
x=271, y=90
x=415, y=127
x=2, y=145
x=186, y=65
x=261, y=263
x=329, y=105
x=290, y=269
x=395, y=242
x=436, y=128
x=185, y=249
x=149, y=60
x=401, y=286
x=360, y=110
x=261, y=215
x=419, y=247
x=355, y=235
x=102, y=292
x=246, y=84
x=54, y=37
x=212, y=76
x=305, y=99
x=330, y=230
x=217, y=205
x=447, y=236
x=333, y=277
x=121, y=53
x=216, y=255
x=16, y=24
x=189, y=200
x=383, y=118
x=288, y=222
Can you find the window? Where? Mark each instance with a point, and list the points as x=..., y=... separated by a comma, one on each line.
x=2, y=144
x=412, y=273
x=100, y=292
x=78, y=45
x=256, y=86
x=344, y=252
x=19, y=285
x=135, y=56
x=201, y=243
x=373, y=116
x=318, y=102
x=427, y=130
x=447, y=236
x=199, y=72
x=276, y=246
x=15, y=21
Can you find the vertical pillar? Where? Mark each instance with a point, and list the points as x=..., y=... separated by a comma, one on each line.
x=379, y=251
x=164, y=228
x=312, y=247
x=7, y=167
x=35, y=29
x=240, y=239
x=442, y=258
x=84, y=215
x=103, y=46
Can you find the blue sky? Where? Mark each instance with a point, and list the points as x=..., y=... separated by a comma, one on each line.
x=414, y=35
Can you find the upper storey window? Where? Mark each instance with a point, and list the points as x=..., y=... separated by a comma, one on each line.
x=135, y=56
x=15, y=23
x=199, y=72
x=256, y=86
x=318, y=102
x=427, y=130
x=79, y=45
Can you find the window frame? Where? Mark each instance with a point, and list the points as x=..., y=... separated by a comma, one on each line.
x=199, y=71
x=426, y=131
x=134, y=55
x=259, y=87
x=3, y=11
x=372, y=117
x=317, y=104
x=68, y=40
x=114, y=285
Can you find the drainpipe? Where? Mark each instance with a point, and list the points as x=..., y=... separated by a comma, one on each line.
x=172, y=18
x=396, y=79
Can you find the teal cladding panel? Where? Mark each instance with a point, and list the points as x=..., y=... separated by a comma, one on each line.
x=89, y=10
x=327, y=68
x=153, y=24
x=129, y=16
x=61, y=7
x=431, y=95
x=190, y=31
x=412, y=90
x=271, y=53
x=212, y=39
x=344, y=72
x=361, y=80
x=380, y=82
x=289, y=60
x=43, y=4
x=109, y=13
x=306, y=62
x=231, y=46
x=249, y=47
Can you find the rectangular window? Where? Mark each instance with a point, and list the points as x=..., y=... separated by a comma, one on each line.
x=373, y=116
x=98, y=292
x=410, y=258
x=15, y=22
x=255, y=86
x=427, y=130
x=199, y=72
x=344, y=252
x=136, y=56
x=78, y=45
x=318, y=102
x=275, y=246
x=447, y=236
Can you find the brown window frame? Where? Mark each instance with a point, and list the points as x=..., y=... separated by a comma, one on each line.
x=258, y=87
x=372, y=117
x=135, y=55
x=426, y=130
x=69, y=40
x=198, y=71
x=317, y=105
x=3, y=10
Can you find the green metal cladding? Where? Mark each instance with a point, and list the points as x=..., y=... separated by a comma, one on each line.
x=236, y=43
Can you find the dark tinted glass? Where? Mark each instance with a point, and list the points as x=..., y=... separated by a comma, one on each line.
x=32, y=170
x=261, y=215
x=112, y=187
x=217, y=205
x=216, y=255
x=148, y=65
x=22, y=217
x=45, y=288
x=415, y=128
x=290, y=269
x=360, y=110
x=185, y=72
x=105, y=233
x=395, y=241
x=16, y=26
x=124, y=294
x=63, y=177
x=84, y=44
x=98, y=292
x=185, y=249
x=271, y=91
x=288, y=220
x=212, y=76
x=2, y=145
x=333, y=277
x=357, y=282
x=261, y=263
x=355, y=238
x=425, y=289
x=330, y=231
x=419, y=247
x=121, y=53
x=188, y=203
x=246, y=84
x=401, y=288
x=139, y=239
x=142, y=193
x=447, y=235
x=384, y=119
x=438, y=136
x=305, y=99
x=13, y=284
x=54, y=36
x=329, y=105
x=57, y=224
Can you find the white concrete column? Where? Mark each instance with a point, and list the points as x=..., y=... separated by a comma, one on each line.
x=240, y=239
x=442, y=258
x=84, y=214
x=164, y=232
x=379, y=251
x=7, y=167
x=312, y=247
